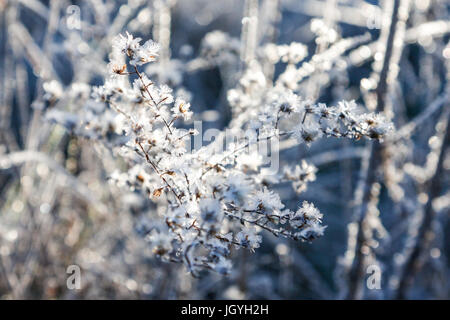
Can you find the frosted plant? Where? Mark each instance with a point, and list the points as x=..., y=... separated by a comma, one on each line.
x=211, y=200
x=88, y=195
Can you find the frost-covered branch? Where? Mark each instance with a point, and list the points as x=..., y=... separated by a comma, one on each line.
x=212, y=200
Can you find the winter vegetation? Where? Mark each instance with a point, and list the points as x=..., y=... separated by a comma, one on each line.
x=237, y=149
